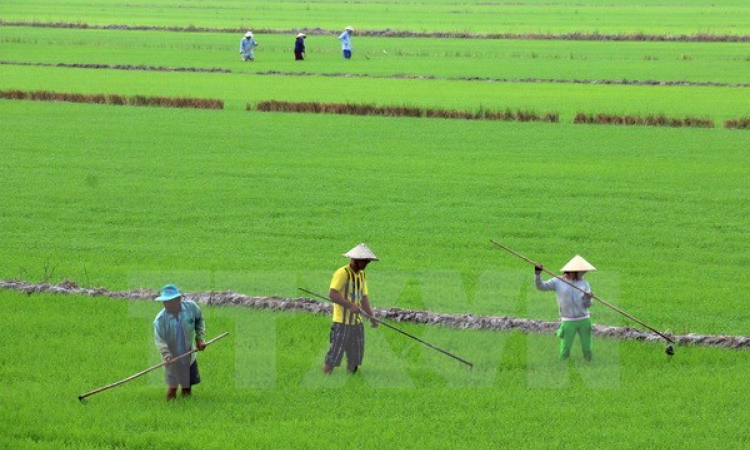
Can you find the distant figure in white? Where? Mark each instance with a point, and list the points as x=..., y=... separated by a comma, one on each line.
x=247, y=45
x=346, y=41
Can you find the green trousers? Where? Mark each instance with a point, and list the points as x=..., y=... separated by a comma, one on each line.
x=567, y=334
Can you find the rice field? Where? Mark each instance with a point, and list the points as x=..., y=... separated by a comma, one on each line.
x=126, y=197
x=631, y=16
x=261, y=387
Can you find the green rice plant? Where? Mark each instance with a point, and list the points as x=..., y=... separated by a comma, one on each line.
x=601, y=60
x=109, y=216
x=713, y=102
x=571, y=17
x=264, y=389
x=262, y=203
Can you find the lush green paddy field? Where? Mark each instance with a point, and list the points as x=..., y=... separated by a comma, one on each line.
x=103, y=192
x=439, y=58
x=477, y=16
x=237, y=91
x=261, y=387
x=260, y=203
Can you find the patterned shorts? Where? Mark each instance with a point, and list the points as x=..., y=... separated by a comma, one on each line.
x=179, y=373
x=349, y=339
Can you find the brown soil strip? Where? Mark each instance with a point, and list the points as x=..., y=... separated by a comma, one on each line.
x=113, y=99
x=395, y=76
x=462, y=321
x=358, y=109
x=576, y=36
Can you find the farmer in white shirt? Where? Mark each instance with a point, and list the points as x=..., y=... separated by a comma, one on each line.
x=247, y=44
x=574, y=304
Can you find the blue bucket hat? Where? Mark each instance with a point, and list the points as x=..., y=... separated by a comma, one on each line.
x=168, y=292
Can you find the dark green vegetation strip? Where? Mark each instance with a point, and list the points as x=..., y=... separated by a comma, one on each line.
x=113, y=99
x=403, y=111
x=576, y=36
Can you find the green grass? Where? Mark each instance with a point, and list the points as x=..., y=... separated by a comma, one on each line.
x=262, y=387
x=238, y=90
x=240, y=200
x=441, y=58
x=259, y=203
x=684, y=17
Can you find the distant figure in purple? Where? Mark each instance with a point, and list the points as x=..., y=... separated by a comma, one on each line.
x=299, y=47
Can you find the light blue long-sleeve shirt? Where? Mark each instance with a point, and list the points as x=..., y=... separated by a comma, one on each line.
x=573, y=305
x=247, y=46
x=165, y=329
x=346, y=41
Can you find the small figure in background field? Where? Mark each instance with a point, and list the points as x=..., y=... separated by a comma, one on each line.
x=349, y=293
x=574, y=304
x=346, y=41
x=178, y=329
x=299, y=47
x=247, y=45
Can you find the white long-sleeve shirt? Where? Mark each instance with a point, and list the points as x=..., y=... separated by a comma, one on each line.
x=570, y=300
x=247, y=45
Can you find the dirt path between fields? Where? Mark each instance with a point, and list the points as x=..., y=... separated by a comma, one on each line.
x=462, y=321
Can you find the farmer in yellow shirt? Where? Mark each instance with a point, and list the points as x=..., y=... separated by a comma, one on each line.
x=349, y=294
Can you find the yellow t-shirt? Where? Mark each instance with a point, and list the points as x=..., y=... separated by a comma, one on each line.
x=352, y=286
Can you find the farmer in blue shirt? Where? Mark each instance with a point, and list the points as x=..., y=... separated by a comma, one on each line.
x=247, y=44
x=178, y=329
x=346, y=41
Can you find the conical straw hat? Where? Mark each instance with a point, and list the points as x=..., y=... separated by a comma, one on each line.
x=362, y=251
x=578, y=264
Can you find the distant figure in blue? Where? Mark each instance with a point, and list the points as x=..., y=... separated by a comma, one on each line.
x=299, y=47
x=346, y=41
x=247, y=45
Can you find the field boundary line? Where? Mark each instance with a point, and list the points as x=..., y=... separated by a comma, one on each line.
x=113, y=99
x=460, y=321
x=390, y=33
x=607, y=82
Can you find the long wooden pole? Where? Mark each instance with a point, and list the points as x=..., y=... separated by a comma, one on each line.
x=600, y=300
x=457, y=358
x=150, y=369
